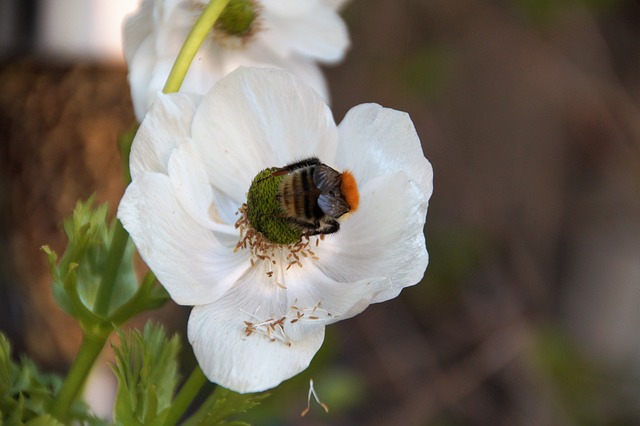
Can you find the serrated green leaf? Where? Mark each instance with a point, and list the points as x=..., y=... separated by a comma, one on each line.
x=26, y=393
x=222, y=405
x=79, y=272
x=93, y=263
x=147, y=372
x=44, y=420
x=86, y=231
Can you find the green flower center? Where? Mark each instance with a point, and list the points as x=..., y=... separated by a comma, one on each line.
x=238, y=18
x=265, y=213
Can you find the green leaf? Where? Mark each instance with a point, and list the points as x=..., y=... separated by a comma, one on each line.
x=44, y=420
x=86, y=231
x=222, y=405
x=579, y=383
x=149, y=296
x=78, y=273
x=26, y=394
x=147, y=372
x=126, y=283
x=5, y=365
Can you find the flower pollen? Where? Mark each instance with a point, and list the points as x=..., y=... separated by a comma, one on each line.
x=262, y=249
x=273, y=326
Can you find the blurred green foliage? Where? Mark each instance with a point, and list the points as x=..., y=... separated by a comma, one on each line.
x=589, y=393
x=221, y=408
x=461, y=252
x=428, y=71
x=26, y=394
x=545, y=12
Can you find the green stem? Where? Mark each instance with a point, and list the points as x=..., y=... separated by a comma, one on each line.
x=89, y=351
x=200, y=29
x=142, y=300
x=185, y=397
x=110, y=273
x=124, y=145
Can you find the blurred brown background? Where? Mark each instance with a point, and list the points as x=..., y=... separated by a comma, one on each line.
x=529, y=110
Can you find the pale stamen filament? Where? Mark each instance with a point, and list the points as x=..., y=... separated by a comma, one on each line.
x=312, y=391
x=273, y=327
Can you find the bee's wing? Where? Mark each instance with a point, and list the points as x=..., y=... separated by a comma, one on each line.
x=326, y=179
x=332, y=206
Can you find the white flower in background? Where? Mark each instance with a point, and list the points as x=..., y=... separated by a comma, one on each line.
x=260, y=308
x=288, y=34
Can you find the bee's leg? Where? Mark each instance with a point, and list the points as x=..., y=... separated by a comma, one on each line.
x=327, y=226
x=304, y=225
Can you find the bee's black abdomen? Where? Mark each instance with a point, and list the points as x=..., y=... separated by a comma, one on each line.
x=310, y=196
x=304, y=180
x=307, y=162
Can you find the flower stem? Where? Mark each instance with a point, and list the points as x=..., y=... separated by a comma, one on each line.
x=110, y=273
x=185, y=397
x=124, y=145
x=200, y=29
x=89, y=350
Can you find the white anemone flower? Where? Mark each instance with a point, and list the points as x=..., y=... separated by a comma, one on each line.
x=288, y=34
x=260, y=311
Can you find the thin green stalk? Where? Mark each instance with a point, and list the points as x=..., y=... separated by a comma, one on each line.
x=124, y=145
x=200, y=29
x=87, y=354
x=139, y=302
x=110, y=273
x=185, y=397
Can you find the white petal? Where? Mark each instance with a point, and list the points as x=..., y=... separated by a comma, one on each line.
x=158, y=78
x=325, y=300
x=174, y=20
x=167, y=125
x=187, y=259
x=136, y=28
x=306, y=70
x=258, y=118
x=261, y=333
x=375, y=141
x=141, y=67
x=311, y=29
x=335, y=4
x=382, y=241
x=195, y=194
x=208, y=66
x=290, y=8
x=151, y=60
x=250, y=361
x=258, y=54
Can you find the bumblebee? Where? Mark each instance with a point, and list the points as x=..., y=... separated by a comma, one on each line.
x=301, y=199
